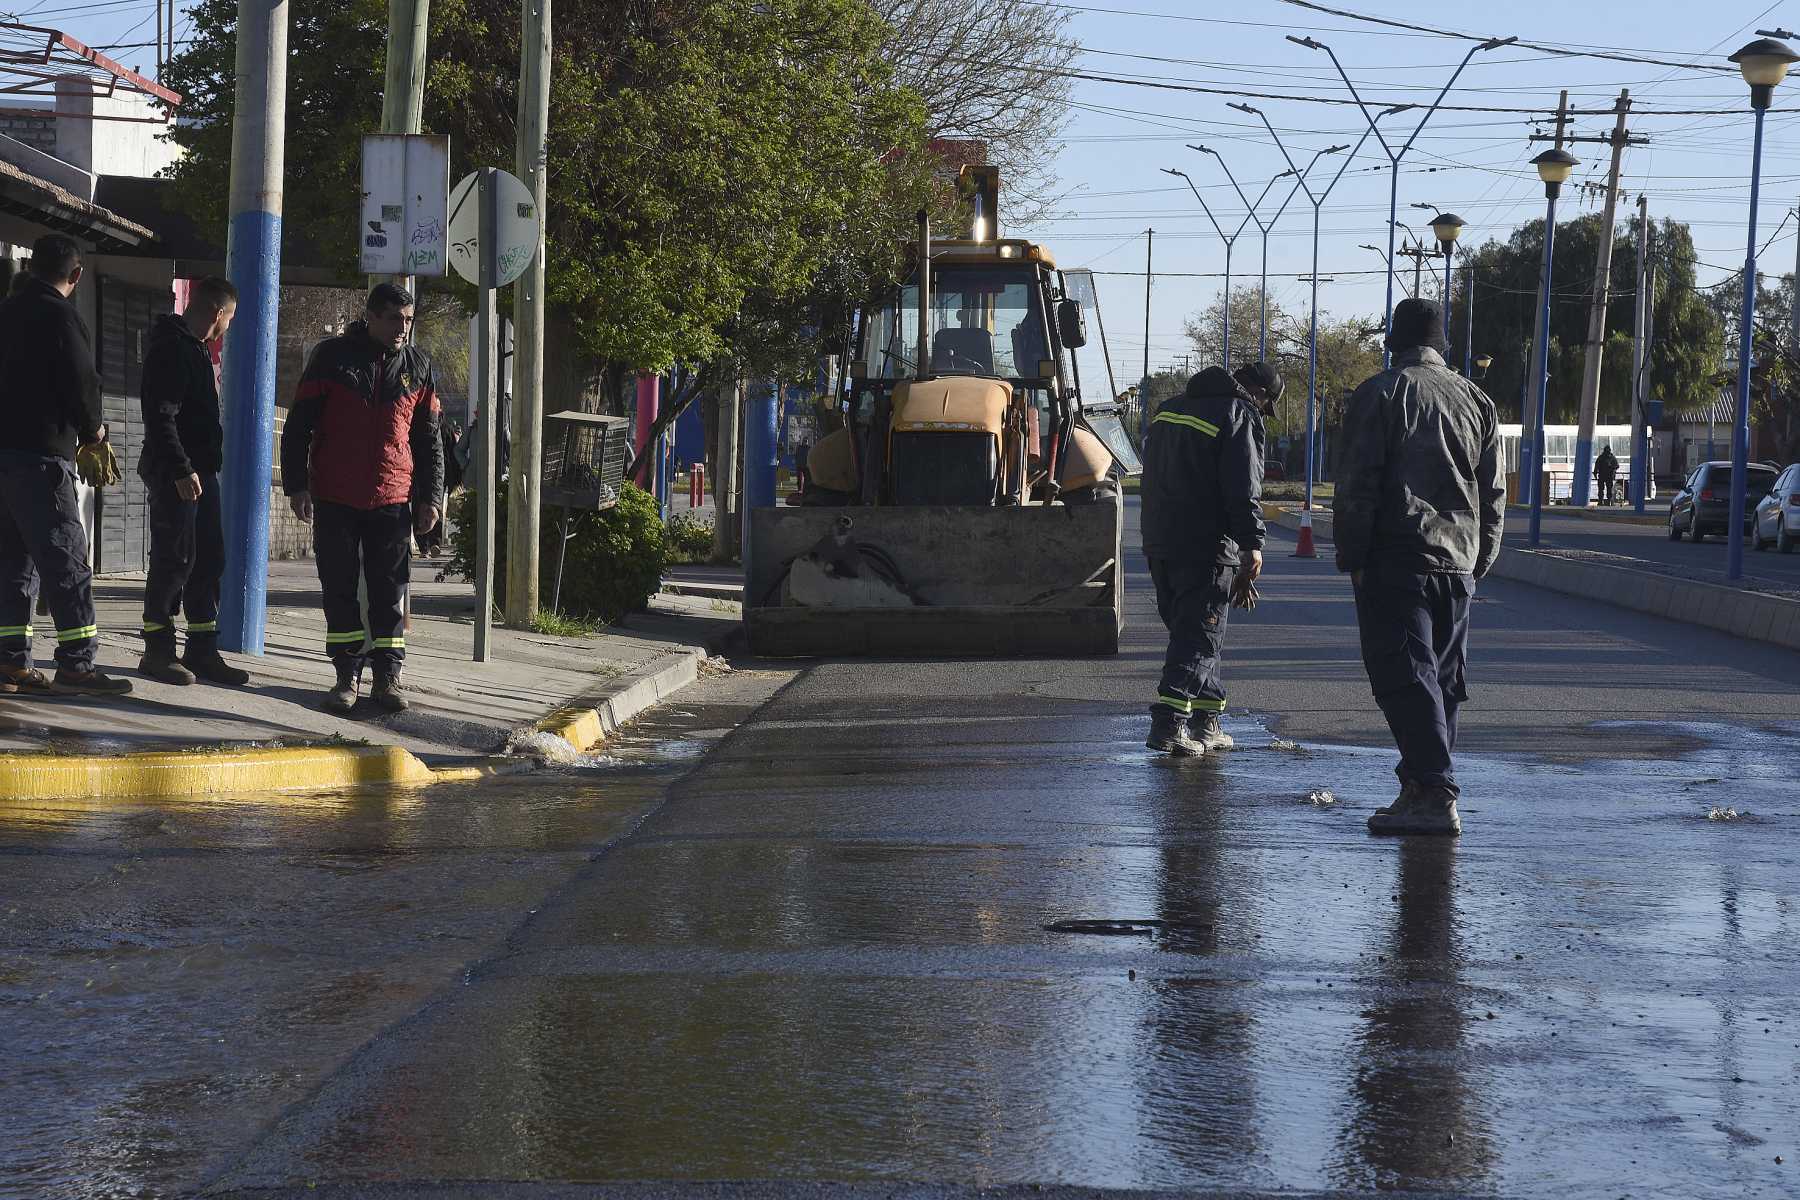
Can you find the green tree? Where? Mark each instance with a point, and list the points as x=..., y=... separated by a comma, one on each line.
x=721, y=176
x=1688, y=334
x=1207, y=329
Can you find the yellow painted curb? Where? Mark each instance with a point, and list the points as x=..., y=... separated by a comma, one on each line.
x=211, y=772
x=580, y=727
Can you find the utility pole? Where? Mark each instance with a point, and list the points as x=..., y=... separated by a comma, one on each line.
x=1532, y=439
x=403, y=95
x=1793, y=407
x=1149, y=245
x=403, y=92
x=1418, y=254
x=1640, y=358
x=1144, y=387
x=525, y=465
x=253, y=261
x=1469, y=321
x=1596, y=330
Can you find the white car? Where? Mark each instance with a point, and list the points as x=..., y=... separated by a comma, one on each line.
x=1777, y=517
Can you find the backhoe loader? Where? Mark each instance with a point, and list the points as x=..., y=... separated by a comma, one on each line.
x=970, y=504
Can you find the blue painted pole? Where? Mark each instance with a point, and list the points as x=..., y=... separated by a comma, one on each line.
x=1312, y=369
x=760, y=449
x=253, y=261
x=1740, y=428
x=1543, y=379
x=1449, y=259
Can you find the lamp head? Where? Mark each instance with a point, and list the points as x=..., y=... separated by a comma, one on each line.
x=1764, y=64
x=1335, y=149
x=1305, y=41
x=1553, y=167
x=1173, y=171
x=1484, y=361
x=1447, y=226
x=1245, y=108
x=1395, y=110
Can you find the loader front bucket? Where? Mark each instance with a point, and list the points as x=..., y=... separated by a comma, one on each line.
x=936, y=581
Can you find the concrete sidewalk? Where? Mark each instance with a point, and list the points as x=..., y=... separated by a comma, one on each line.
x=462, y=711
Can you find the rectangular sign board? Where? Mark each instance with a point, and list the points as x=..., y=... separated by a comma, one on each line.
x=405, y=202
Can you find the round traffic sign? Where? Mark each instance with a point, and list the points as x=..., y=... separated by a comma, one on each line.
x=517, y=225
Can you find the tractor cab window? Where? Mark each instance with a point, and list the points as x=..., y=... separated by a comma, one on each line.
x=984, y=321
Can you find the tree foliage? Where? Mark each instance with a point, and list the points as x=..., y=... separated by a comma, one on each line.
x=1688, y=334
x=990, y=71
x=721, y=174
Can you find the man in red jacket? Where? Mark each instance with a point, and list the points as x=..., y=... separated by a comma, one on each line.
x=361, y=460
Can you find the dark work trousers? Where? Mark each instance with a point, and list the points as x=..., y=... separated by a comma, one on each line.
x=1606, y=489
x=1415, y=636
x=1194, y=601
x=41, y=539
x=373, y=543
x=187, y=559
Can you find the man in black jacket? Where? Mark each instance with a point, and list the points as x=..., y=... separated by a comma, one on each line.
x=1418, y=516
x=183, y=452
x=1203, y=533
x=49, y=406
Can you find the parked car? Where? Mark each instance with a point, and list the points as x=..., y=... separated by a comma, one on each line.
x=1776, y=521
x=1703, y=505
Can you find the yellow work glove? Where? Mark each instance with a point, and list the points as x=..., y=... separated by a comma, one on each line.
x=98, y=465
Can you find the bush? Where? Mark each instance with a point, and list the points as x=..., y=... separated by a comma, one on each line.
x=690, y=538
x=614, y=559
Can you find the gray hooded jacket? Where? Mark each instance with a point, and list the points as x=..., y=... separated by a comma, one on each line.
x=1418, y=480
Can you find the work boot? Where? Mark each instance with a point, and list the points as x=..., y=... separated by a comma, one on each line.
x=205, y=661
x=159, y=663
x=1419, y=809
x=1169, y=734
x=386, y=692
x=1204, y=728
x=22, y=681
x=342, y=698
x=88, y=681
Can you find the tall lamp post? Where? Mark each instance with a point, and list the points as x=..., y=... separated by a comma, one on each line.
x=1230, y=241
x=1394, y=156
x=1446, y=227
x=1262, y=227
x=1553, y=167
x=1764, y=64
x=1317, y=199
x=1389, y=264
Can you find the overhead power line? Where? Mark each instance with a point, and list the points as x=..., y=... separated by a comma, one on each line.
x=1538, y=46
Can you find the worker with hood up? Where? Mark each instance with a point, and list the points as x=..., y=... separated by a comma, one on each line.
x=1203, y=534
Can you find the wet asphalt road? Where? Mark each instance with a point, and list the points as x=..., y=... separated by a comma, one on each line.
x=829, y=945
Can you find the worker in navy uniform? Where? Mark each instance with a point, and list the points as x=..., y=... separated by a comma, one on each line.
x=1203, y=534
x=184, y=449
x=49, y=414
x=1418, y=515
x=362, y=460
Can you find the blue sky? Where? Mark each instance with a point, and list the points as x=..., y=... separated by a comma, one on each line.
x=1119, y=137
x=1696, y=168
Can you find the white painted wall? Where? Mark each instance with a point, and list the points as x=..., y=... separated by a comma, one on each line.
x=135, y=148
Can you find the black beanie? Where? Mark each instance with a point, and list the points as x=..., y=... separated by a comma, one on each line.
x=1418, y=323
x=1261, y=376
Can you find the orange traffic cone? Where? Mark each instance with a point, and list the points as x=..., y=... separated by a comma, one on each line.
x=1305, y=548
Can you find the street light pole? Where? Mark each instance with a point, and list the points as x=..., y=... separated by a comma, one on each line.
x=1764, y=63
x=1446, y=227
x=1262, y=336
x=1394, y=156
x=1553, y=167
x=1312, y=337
x=1469, y=320
x=1230, y=242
